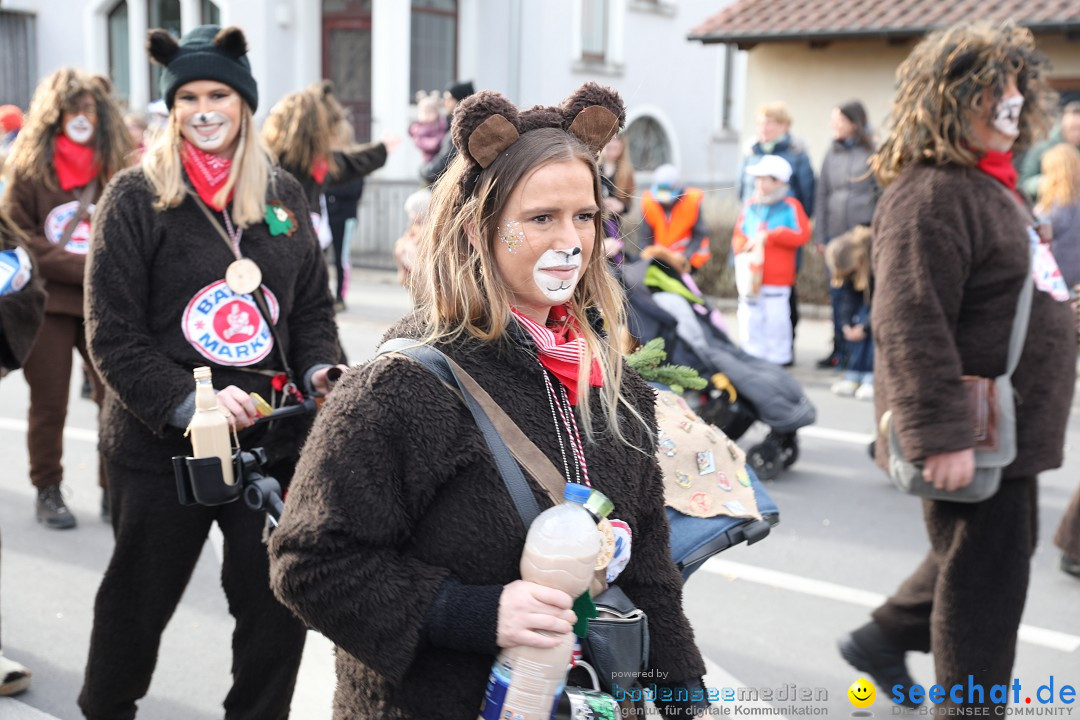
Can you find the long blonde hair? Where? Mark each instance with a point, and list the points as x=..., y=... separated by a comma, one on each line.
x=942, y=85
x=457, y=288
x=32, y=154
x=1060, y=177
x=298, y=130
x=250, y=175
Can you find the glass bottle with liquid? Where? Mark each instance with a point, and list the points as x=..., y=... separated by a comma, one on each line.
x=209, y=428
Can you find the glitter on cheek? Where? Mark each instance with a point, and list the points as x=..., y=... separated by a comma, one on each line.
x=512, y=235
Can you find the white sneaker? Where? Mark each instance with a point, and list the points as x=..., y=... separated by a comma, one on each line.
x=14, y=678
x=865, y=392
x=844, y=388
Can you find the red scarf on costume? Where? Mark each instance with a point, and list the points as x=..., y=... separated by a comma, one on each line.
x=318, y=169
x=76, y=165
x=999, y=166
x=207, y=172
x=561, y=348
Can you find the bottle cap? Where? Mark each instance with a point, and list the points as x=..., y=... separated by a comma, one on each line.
x=599, y=504
x=575, y=492
x=202, y=373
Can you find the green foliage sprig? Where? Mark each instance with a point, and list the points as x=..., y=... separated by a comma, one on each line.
x=650, y=363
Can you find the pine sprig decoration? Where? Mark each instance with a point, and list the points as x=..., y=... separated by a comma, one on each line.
x=649, y=362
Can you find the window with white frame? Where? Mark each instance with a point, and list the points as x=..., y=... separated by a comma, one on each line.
x=119, y=56
x=433, y=52
x=594, y=30
x=162, y=14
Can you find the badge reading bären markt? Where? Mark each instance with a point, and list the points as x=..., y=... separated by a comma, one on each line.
x=58, y=219
x=226, y=327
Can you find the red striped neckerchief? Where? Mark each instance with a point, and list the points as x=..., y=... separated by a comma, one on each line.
x=561, y=348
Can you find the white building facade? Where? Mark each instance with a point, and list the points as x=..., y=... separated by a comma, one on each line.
x=682, y=98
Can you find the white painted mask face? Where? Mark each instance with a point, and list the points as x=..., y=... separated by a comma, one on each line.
x=207, y=131
x=1007, y=116
x=545, y=236
x=79, y=129
x=557, y=272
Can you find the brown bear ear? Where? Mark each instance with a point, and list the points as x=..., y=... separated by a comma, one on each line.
x=162, y=46
x=232, y=41
x=597, y=114
x=485, y=124
x=103, y=83
x=326, y=87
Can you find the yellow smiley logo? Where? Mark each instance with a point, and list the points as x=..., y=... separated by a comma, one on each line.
x=861, y=693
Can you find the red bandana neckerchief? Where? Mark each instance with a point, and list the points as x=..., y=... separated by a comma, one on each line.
x=561, y=348
x=207, y=172
x=999, y=166
x=319, y=168
x=76, y=165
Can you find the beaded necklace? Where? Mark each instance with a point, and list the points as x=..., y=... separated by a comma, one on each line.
x=561, y=409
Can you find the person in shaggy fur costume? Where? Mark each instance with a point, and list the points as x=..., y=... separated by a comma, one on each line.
x=22, y=310
x=400, y=541
x=73, y=142
x=160, y=303
x=953, y=244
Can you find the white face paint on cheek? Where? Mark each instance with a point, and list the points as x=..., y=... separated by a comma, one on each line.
x=1007, y=117
x=207, y=131
x=79, y=129
x=556, y=273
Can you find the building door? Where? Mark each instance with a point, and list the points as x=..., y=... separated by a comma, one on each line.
x=346, y=42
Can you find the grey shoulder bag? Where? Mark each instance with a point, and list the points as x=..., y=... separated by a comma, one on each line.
x=989, y=462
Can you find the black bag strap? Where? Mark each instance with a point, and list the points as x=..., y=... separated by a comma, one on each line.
x=80, y=212
x=510, y=472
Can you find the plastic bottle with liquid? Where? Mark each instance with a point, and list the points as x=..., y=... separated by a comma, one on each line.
x=209, y=428
x=561, y=548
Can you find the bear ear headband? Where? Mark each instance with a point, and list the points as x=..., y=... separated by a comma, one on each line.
x=486, y=124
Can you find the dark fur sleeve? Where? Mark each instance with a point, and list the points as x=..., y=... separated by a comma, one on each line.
x=21, y=314
x=359, y=162
x=922, y=257
x=117, y=301
x=371, y=467
x=54, y=262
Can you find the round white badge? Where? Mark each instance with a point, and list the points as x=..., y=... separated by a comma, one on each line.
x=243, y=276
x=58, y=219
x=226, y=328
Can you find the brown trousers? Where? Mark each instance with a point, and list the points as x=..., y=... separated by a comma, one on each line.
x=965, y=600
x=1067, y=536
x=48, y=372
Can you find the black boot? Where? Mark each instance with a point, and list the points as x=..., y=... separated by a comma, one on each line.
x=52, y=511
x=1070, y=566
x=867, y=649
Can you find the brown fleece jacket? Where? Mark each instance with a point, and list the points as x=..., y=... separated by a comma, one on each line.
x=949, y=256
x=21, y=313
x=42, y=212
x=147, y=283
x=396, y=498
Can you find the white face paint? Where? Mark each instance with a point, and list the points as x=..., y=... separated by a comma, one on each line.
x=207, y=131
x=556, y=273
x=79, y=129
x=1007, y=117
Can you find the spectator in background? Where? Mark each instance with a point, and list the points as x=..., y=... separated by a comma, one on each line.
x=430, y=126
x=673, y=220
x=1067, y=131
x=433, y=170
x=846, y=196
x=416, y=207
x=342, y=201
x=1059, y=205
x=771, y=228
x=617, y=190
x=774, y=138
x=848, y=260
x=11, y=121
x=136, y=124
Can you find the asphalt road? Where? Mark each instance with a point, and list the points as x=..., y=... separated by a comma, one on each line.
x=766, y=616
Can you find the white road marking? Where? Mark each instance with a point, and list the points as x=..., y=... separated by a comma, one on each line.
x=1052, y=639
x=844, y=436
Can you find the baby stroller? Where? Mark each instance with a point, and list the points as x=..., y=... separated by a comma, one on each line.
x=743, y=389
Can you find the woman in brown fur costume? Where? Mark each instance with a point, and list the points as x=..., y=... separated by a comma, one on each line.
x=400, y=541
x=73, y=142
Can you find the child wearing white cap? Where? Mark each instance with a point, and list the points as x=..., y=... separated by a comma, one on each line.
x=771, y=228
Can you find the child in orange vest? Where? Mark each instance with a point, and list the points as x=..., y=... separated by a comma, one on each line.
x=673, y=220
x=771, y=228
